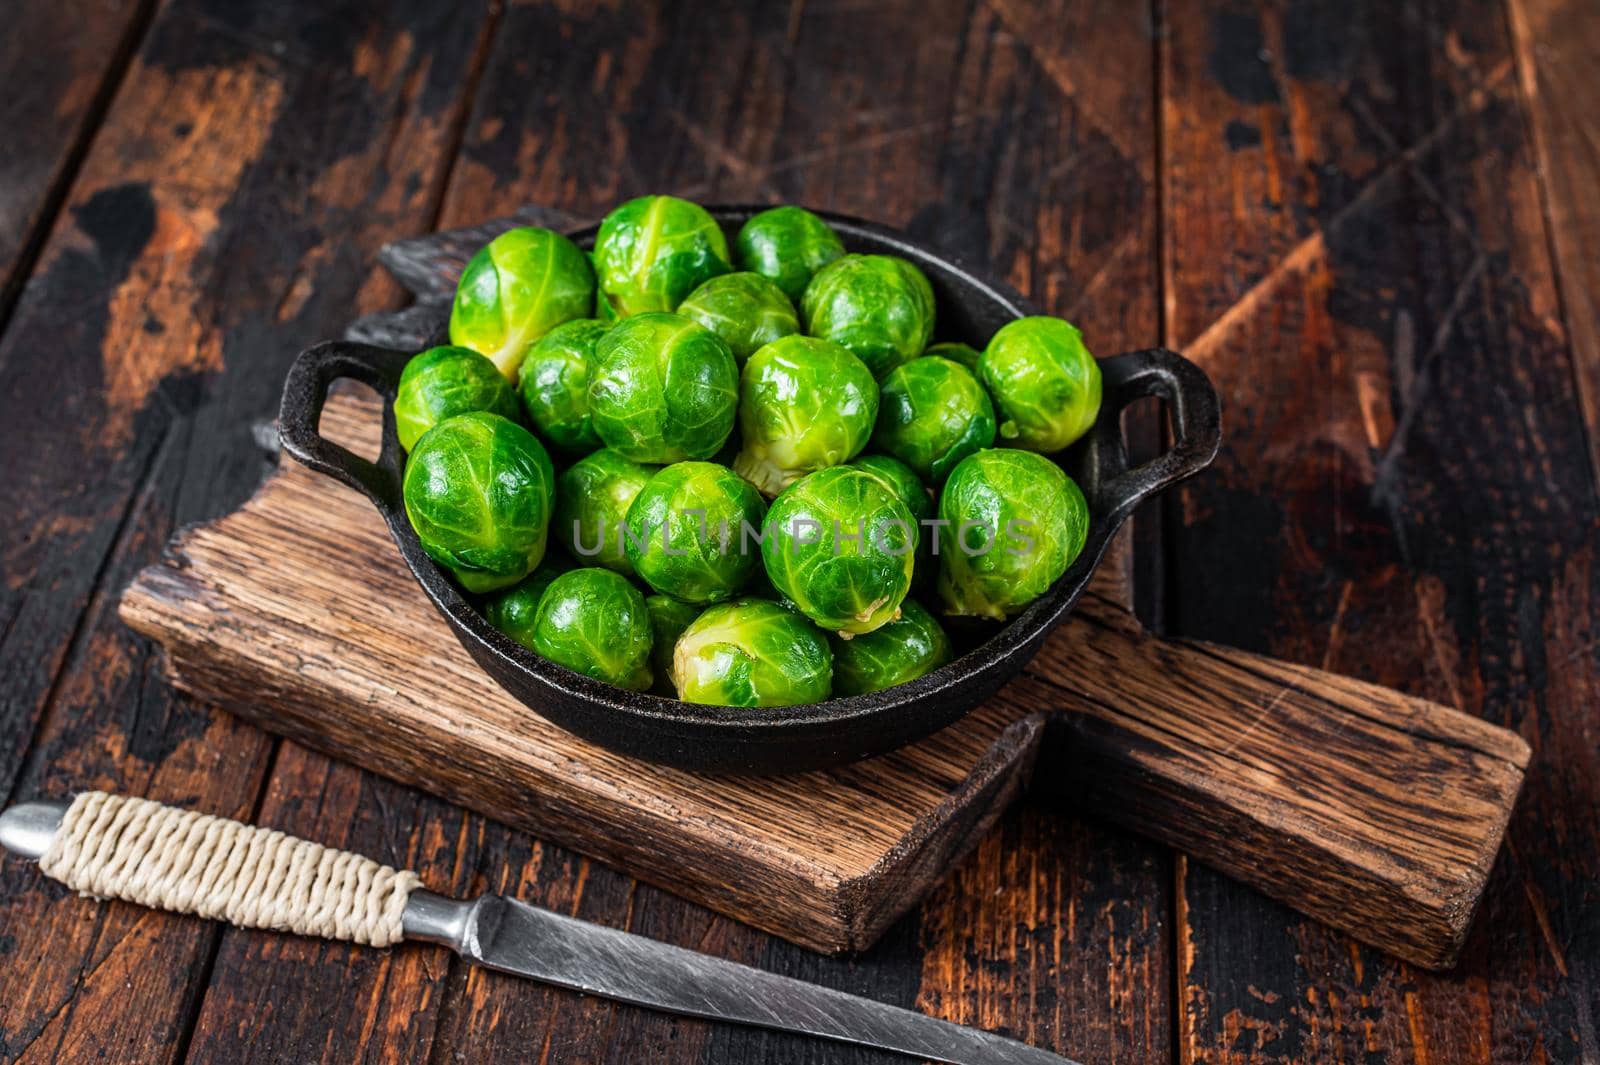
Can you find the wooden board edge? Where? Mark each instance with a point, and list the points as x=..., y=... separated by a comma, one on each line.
x=829, y=914
x=926, y=854
x=1224, y=834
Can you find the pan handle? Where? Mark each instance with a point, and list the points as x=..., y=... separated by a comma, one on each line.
x=1196, y=419
x=305, y=391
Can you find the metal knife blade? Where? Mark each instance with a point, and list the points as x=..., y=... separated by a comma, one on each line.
x=523, y=940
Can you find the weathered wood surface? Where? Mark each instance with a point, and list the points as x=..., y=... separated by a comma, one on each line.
x=1555, y=43
x=1355, y=249
x=250, y=164
x=281, y=144
x=1377, y=812
x=61, y=62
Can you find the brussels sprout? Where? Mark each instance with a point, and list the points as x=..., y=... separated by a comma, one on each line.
x=443, y=382
x=1044, y=381
x=603, y=311
x=900, y=651
x=513, y=610
x=878, y=306
x=595, y=622
x=787, y=245
x=521, y=285
x=910, y=490
x=592, y=501
x=653, y=251
x=663, y=389
x=841, y=546
x=746, y=310
x=554, y=383
x=1016, y=523
x=804, y=404
x=668, y=618
x=902, y=481
x=932, y=413
x=687, y=532
x=751, y=652
x=955, y=351
x=478, y=490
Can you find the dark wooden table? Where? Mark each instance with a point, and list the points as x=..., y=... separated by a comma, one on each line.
x=1373, y=223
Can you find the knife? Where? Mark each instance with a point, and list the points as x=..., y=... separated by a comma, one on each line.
x=144, y=852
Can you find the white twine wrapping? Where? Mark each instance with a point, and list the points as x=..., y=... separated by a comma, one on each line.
x=111, y=846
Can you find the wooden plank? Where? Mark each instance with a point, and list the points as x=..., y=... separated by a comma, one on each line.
x=63, y=60
x=1555, y=43
x=223, y=217
x=83, y=980
x=1354, y=250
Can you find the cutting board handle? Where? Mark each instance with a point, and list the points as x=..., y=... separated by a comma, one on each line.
x=305, y=391
x=1376, y=812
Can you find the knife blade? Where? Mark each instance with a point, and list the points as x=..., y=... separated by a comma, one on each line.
x=494, y=931
x=514, y=937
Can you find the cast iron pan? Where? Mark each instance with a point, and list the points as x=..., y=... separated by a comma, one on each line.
x=731, y=739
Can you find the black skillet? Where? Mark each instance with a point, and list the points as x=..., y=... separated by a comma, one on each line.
x=732, y=739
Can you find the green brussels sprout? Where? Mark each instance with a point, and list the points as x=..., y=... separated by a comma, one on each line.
x=603, y=311
x=840, y=545
x=955, y=351
x=902, y=481
x=663, y=389
x=900, y=651
x=595, y=622
x=668, y=618
x=932, y=413
x=443, y=382
x=878, y=306
x=478, y=491
x=519, y=286
x=751, y=652
x=804, y=405
x=787, y=245
x=1016, y=523
x=554, y=383
x=653, y=251
x=910, y=490
x=592, y=500
x=1044, y=381
x=688, y=530
x=514, y=609
x=745, y=309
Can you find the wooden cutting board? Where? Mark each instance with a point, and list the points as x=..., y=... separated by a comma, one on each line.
x=1376, y=812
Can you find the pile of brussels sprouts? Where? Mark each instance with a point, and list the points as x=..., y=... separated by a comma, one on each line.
x=759, y=459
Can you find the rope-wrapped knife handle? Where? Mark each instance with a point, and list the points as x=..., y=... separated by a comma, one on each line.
x=112, y=846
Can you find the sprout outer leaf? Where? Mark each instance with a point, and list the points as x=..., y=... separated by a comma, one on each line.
x=595, y=622
x=517, y=288
x=752, y=652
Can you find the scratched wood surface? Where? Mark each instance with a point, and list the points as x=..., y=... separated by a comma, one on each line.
x=1374, y=224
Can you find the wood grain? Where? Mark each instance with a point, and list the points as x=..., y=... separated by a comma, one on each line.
x=1355, y=250
x=62, y=60
x=230, y=201
x=1555, y=43
x=1022, y=120
x=1372, y=810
